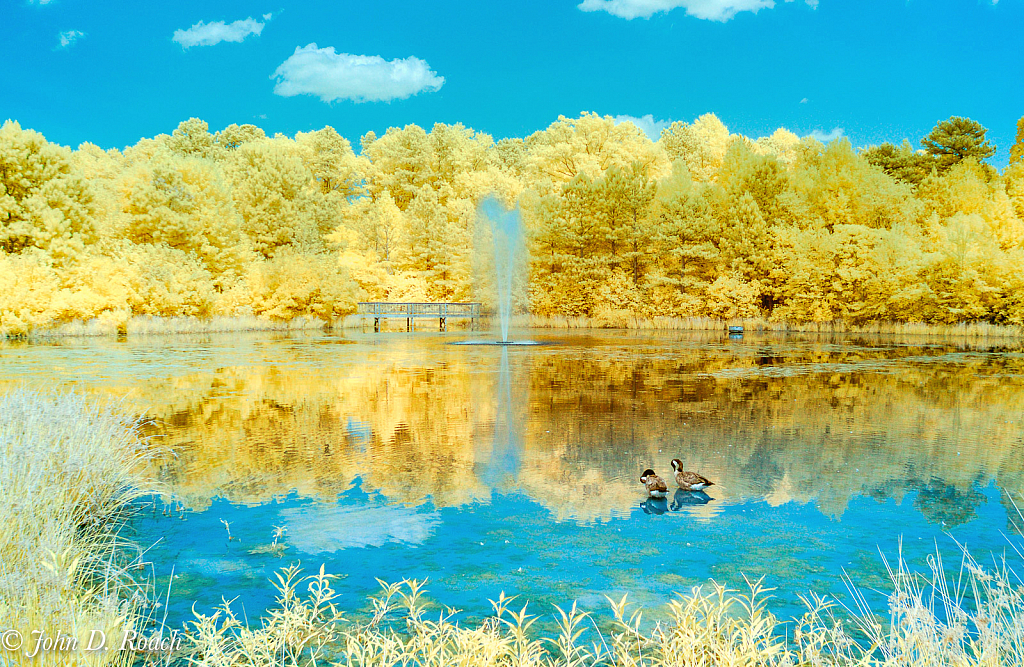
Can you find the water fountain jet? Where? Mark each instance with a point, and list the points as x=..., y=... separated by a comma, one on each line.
x=506, y=226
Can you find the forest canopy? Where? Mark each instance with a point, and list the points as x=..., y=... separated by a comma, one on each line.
x=701, y=222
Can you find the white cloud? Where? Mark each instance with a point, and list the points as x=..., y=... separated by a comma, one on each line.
x=342, y=76
x=652, y=128
x=831, y=135
x=804, y=101
x=69, y=37
x=39, y=2
x=713, y=10
x=208, y=34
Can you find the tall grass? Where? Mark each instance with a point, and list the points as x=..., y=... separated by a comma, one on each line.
x=149, y=325
x=973, y=620
x=69, y=472
x=624, y=320
x=144, y=325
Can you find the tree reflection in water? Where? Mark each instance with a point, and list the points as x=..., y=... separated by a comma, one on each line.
x=806, y=420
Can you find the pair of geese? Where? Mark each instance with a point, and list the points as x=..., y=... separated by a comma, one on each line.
x=688, y=481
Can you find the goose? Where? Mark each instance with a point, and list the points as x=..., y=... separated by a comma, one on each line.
x=656, y=487
x=690, y=481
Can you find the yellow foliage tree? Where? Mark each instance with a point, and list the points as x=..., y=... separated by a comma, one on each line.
x=273, y=192
x=591, y=144
x=701, y=222
x=184, y=204
x=688, y=240
x=289, y=285
x=1017, y=150
x=702, y=144
x=44, y=203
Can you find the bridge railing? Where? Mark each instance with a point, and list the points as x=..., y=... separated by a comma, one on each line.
x=379, y=309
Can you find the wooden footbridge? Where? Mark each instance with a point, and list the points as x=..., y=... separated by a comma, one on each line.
x=388, y=310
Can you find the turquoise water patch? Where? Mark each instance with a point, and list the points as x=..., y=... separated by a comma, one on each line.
x=512, y=544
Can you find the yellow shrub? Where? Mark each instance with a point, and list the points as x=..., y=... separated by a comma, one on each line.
x=165, y=281
x=294, y=284
x=27, y=285
x=731, y=296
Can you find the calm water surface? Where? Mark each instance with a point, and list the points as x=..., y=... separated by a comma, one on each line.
x=487, y=469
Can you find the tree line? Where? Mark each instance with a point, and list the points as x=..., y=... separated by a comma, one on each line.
x=701, y=222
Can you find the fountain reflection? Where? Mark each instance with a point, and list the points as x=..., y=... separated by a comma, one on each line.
x=505, y=458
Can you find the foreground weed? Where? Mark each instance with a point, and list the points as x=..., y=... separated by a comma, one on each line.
x=70, y=473
x=978, y=621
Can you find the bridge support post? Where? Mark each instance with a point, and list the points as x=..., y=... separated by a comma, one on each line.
x=444, y=325
x=408, y=324
x=376, y=325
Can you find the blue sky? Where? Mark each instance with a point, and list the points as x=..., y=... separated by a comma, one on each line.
x=876, y=70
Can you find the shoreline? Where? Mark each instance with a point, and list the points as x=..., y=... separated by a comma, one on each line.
x=148, y=325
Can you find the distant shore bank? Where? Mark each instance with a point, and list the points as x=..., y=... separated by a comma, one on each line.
x=149, y=325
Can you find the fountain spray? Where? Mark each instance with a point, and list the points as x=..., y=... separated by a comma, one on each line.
x=507, y=231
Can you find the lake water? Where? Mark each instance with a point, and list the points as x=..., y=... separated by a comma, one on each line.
x=488, y=469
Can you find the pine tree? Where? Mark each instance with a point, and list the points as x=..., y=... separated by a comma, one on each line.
x=957, y=139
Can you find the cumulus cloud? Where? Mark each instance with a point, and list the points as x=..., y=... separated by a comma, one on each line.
x=825, y=137
x=69, y=37
x=342, y=76
x=652, y=128
x=208, y=34
x=713, y=10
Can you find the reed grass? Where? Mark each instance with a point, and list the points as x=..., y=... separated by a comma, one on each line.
x=973, y=620
x=69, y=473
x=147, y=325
x=963, y=330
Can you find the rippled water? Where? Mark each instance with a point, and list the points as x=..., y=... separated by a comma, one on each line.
x=490, y=468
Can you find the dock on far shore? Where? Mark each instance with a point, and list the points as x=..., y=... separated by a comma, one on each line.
x=411, y=311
